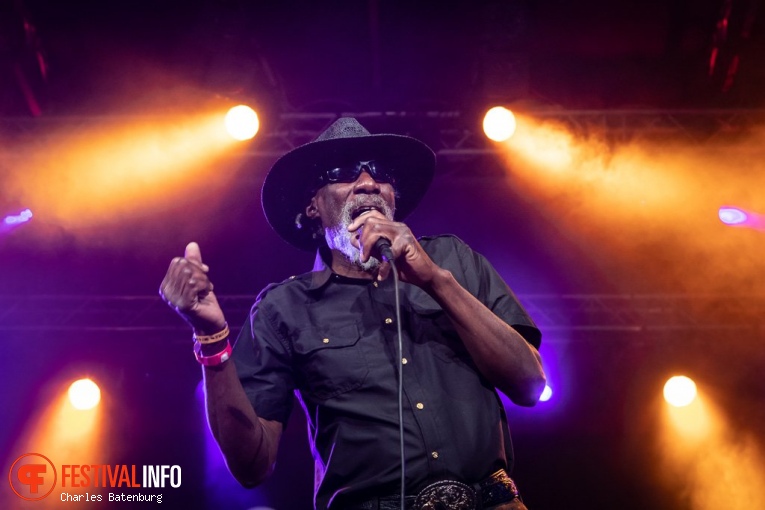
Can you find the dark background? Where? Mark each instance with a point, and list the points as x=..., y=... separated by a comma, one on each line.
x=84, y=300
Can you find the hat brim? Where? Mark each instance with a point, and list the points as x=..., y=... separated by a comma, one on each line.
x=287, y=189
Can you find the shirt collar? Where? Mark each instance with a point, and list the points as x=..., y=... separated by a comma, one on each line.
x=321, y=272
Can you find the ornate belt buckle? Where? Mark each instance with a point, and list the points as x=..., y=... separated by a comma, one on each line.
x=446, y=495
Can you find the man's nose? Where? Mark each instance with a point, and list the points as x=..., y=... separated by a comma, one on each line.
x=366, y=183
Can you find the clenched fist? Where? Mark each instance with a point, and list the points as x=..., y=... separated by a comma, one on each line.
x=188, y=290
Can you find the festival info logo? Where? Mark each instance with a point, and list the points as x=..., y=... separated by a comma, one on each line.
x=32, y=476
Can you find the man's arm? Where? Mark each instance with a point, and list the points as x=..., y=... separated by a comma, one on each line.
x=248, y=443
x=501, y=354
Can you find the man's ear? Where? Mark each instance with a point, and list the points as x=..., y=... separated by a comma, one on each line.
x=311, y=211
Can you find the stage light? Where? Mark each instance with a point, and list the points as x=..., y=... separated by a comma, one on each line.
x=499, y=124
x=732, y=215
x=737, y=217
x=15, y=219
x=679, y=391
x=546, y=394
x=242, y=122
x=84, y=394
x=700, y=441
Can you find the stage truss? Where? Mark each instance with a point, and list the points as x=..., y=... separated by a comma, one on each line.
x=450, y=133
x=587, y=312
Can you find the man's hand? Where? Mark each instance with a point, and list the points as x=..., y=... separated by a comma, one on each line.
x=188, y=291
x=413, y=263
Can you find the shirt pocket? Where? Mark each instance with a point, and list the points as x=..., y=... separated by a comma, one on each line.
x=330, y=361
x=434, y=329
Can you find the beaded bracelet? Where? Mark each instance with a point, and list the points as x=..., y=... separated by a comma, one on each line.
x=211, y=339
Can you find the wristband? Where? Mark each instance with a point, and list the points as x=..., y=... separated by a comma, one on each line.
x=214, y=359
x=211, y=339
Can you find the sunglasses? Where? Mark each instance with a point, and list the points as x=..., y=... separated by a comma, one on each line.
x=379, y=171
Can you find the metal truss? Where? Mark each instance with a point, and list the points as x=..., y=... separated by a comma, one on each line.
x=450, y=133
x=645, y=312
x=593, y=312
x=457, y=134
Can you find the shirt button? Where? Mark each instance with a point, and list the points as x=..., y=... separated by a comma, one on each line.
x=404, y=361
x=326, y=340
x=388, y=320
x=420, y=405
x=434, y=455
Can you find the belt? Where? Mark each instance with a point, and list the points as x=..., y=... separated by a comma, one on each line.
x=450, y=495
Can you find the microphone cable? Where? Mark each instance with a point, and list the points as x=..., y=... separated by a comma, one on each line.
x=384, y=248
x=400, y=363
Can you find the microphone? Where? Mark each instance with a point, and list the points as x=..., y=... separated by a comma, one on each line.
x=382, y=246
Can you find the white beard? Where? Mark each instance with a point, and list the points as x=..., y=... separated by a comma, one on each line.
x=339, y=238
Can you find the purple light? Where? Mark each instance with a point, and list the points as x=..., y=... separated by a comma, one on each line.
x=732, y=215
x=736, y=217
x=22, y=217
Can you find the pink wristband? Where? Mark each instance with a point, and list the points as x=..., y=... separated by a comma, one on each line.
x=214, y=359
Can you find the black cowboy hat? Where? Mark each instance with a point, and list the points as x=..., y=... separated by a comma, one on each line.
x=291, y=182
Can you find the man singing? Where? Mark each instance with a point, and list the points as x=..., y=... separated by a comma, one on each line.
x=331, y=337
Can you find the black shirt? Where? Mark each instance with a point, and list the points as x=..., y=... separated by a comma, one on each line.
x=332, y=340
